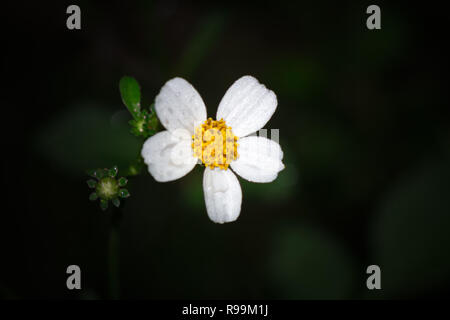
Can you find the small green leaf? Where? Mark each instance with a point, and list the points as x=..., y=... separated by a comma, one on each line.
x=116, y=202
x=93, y=196
x=123, y=181
x=124, y=193
x=104, y=204
x=131, y=95
x=113, y=171
x=91, y=183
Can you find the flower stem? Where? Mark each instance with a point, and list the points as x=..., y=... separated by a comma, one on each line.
x=114, y=255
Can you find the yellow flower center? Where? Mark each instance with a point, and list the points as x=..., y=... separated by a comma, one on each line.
x=215, y=144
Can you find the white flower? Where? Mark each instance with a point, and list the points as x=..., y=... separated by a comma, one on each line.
x=190, y=138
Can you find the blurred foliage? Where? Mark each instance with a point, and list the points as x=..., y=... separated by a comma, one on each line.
x=83, y=137
x=295, y=77
x=306, y=263
x=201, y=43
x=410, y=234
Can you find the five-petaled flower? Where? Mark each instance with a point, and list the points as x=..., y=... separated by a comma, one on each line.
x=191, y=138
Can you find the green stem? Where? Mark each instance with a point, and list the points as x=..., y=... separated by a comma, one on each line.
x=114, y=255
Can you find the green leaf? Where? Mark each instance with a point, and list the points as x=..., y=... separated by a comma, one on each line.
x=116, y=202
x=131, y=95
x=124, y=193
x=113, y=171
x=93, y=196
x=91, y=183
x=153, y=120
x=123, y=181
x=104, y=204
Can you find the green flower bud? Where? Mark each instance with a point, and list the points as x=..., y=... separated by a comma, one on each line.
x=107, y=186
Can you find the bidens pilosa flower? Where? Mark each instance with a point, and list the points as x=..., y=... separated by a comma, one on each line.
x=218, y=144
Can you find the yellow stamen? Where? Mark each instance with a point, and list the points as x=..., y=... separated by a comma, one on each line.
x=215, y=144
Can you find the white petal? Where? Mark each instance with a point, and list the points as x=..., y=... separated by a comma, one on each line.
x=247, y=106
x=259, y=159
x=178, y=105
x=168, y=155
x=223, y=195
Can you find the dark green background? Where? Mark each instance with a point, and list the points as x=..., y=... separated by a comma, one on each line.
x=364, y=126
